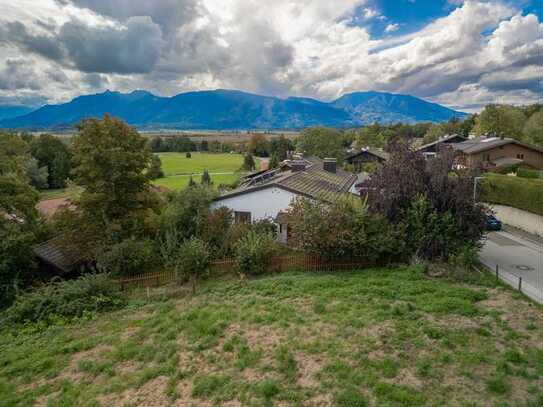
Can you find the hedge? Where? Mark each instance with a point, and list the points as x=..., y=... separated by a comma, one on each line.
x=520, y=193
x=529, y=173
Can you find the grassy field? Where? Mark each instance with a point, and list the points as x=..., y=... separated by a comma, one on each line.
x=374, y=337
x=177, y=167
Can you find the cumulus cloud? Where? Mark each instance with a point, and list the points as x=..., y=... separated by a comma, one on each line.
x=131, y=48
x=312, y=48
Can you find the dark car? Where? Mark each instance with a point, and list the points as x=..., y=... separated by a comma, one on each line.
x=492, y=223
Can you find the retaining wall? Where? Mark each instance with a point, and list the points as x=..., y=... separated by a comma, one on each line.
x=526, y=221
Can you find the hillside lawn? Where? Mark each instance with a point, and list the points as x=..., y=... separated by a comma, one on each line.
x=388, y=337
x=224, y=168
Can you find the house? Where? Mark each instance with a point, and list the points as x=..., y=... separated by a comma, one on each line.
x=491, y=153
x=267, y=195
x=366, y=155
x=431, y=149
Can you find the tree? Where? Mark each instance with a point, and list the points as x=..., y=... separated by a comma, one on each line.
x=18, y=217
x=280, y=147
x=274, y=161
x=254, y=252
x=110, y=162
x=38, y=175
x=188, y=155
x=259, y=145
x=52, y=153
x=322, y=142
x=430, y=199
x=434, y=133
x=248, y=163
x=191, y=182
x=206, y=179
x=356, y=233
x=534, y=128
x=155, y=169
x=193, y=260
x=501, y=121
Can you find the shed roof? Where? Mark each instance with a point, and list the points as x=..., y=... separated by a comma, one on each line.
x=58, y=253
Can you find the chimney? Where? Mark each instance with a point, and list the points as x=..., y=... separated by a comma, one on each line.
x=330, y=165
x=297, y=165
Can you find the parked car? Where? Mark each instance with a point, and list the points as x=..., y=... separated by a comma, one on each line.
x=492, y=223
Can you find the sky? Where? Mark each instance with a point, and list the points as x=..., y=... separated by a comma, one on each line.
x=461, y=53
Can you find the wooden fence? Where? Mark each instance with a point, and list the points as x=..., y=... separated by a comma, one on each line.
x=278, y=264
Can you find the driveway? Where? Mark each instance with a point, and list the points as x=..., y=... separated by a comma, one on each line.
x=518, y=255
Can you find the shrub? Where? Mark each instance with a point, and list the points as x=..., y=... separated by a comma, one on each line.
x=70, y=299
x=128, y=258
x=188, y=155
x=521, y=193
x=254, y=252
x=524, y=173
x=193, y=260
x=341, y=229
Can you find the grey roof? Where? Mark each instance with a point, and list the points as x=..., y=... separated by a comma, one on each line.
x=369, y=150
x=313, y=181
x=480, y=144
x=59, y=254
x=441, y=140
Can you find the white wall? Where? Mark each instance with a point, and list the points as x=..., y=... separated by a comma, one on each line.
x=526, y=221
x=263, y=204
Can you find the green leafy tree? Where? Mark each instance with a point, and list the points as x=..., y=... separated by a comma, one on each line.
x=206, y=178
x=52, y=153
x=110, y=162
x=155, y=170
x=259, y=145
x=248, y=162
x=280, y=147
x=18, y=217
x=274, y=161
x=38, y=175
x=193, y=260
x=254, y=252
x=322, y=142
x=534, y=128
x=501, y=121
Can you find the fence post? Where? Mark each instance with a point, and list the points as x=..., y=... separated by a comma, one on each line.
x=497, y=272
x=520, y=283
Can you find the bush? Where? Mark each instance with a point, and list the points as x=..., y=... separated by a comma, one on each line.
x=343, y=229
x=254, y=252
x=521, y=193
x=533, y=174
x=89, y=294
x=193, y=260
x=128, y=258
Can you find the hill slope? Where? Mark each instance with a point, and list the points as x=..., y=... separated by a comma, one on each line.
x=372, y=337
x=227, y=109
x=9, y=111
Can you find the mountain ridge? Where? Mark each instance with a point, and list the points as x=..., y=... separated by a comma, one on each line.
x=224, y=109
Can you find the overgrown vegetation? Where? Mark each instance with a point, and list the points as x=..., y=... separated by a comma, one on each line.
x=521, y=193
x=370, y=337
x=60, y=301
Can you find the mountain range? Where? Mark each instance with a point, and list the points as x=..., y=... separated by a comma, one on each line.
x=230, y=109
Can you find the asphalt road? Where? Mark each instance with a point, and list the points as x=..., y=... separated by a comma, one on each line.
x=518, y=255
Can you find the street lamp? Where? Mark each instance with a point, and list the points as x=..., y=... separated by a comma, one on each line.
x=475, y=181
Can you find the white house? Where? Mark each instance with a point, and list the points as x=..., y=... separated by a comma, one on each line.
x=268, y=194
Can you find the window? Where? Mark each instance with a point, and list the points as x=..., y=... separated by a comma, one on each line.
x=242, y=217
x=486, y=157
x=520, y=156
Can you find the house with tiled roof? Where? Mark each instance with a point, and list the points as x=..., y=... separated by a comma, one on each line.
x=490, y=153
x=268, y=194
x=366, y=155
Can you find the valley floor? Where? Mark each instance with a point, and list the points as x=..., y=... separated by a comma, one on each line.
x=391, y=337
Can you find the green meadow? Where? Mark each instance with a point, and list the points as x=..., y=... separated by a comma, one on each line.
x=381, y=337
